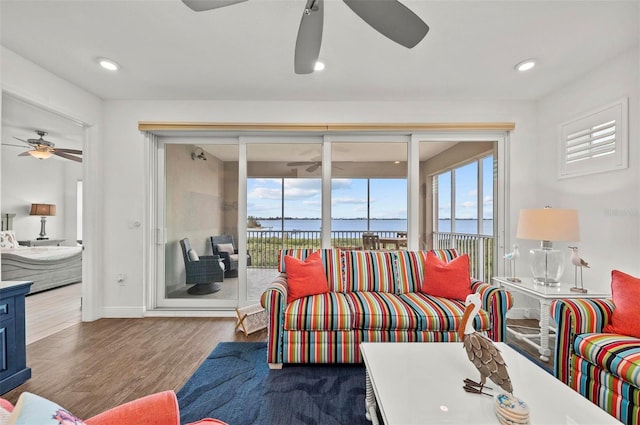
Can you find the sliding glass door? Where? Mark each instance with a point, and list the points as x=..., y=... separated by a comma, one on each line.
x=284, y=204
x=369, y=193
x=199, y=202
x=244, y=198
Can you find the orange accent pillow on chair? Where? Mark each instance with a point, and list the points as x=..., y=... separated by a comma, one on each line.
x=625, y=291
x=447, y=280
x=306, y=277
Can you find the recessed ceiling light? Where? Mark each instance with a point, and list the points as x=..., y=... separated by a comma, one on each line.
x=525, y=65
x=319, y=66
x=108, y=64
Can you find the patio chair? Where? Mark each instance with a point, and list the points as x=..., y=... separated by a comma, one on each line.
x=370, y=241
x=202, y=272
x=226, y=248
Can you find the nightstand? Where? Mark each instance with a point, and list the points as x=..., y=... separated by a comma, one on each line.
x=42, y=242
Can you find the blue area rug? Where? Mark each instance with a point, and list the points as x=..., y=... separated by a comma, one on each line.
x=234, y=384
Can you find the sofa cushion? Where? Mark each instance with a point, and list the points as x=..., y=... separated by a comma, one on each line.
x=32, y=409
x=330, y=260
x=625, y=290
x=305, y=277
x=447, y=279
x=380, y=310
x=370, y=271
x=322, y=312
x=410, y=267
x=615, y=353
x=442, y=314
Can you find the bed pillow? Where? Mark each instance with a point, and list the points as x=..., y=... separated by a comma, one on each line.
x=32, y=409
x=625, y=291
x=447, y=280
x=306, y=277
x=225, y=247
x=8, y=239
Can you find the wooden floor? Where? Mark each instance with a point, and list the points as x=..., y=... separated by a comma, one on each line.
x=51, y=311
x=91, y=367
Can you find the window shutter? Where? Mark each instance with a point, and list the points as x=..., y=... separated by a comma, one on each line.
x=595, y=143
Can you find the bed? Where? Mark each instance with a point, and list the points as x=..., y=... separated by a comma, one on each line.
x=47, y=267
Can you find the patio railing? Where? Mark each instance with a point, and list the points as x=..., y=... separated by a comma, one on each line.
x=479, y=247
x=264, y=246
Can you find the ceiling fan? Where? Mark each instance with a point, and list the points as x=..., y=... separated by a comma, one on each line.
x=43, y=149
x=389, y=17
x=312, y=165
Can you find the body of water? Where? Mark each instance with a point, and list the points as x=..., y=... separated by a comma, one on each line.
x=360, y=225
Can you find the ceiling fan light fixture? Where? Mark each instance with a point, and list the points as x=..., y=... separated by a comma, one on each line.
x=40, y=154
x=525, y=65
x=108, y=64
x=319, y=66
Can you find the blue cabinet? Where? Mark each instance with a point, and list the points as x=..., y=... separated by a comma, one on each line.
x=13, y=349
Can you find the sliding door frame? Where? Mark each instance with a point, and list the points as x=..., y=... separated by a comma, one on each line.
x=244, y=134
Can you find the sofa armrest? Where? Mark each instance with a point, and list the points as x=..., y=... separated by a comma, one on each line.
x=574, y=317
x=496, y=301
x=274, y=300
x=155, y=409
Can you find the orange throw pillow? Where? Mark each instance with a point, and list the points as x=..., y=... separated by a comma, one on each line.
x=625, y=291
x=448, y=280
x=305, y=277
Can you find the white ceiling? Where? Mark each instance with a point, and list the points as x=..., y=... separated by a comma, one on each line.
x=245, y=51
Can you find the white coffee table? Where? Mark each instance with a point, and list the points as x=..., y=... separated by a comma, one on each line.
x=545, y=295
x=421, y=383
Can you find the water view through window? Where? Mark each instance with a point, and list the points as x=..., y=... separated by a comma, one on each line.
x=357, y=204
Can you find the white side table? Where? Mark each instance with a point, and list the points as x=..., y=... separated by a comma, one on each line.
x=545, y=295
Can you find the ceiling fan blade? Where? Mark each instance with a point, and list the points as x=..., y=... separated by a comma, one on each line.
x=391, y=19
x=73, y=151
x=298, y=163
x=9, y=144
x=26, y=153
x=202, y=5
x=309, y=37
x=67, y=156
x=23, y=141
x=313, y=168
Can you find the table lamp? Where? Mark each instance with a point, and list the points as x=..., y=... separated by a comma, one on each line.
x=44, y=211
x=548, y=225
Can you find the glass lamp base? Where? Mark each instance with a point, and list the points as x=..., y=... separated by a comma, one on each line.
x=547, y=266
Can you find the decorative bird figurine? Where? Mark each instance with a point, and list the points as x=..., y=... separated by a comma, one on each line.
x=513, y=256
x=481, y=351
x=578, y=263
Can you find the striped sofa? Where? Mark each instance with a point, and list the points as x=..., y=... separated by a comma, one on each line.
x=603, y=367
x=373, y=296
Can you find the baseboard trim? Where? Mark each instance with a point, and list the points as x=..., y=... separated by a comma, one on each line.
x=122, y=312
x=189, y=313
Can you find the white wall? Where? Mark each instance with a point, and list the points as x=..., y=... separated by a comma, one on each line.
x=608, y=204
x=28, y=180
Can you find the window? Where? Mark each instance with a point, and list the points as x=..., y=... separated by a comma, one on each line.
x=595, y=143
x=470, y=187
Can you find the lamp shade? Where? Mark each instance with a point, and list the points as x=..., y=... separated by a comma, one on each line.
x=40, y=154
x=548, y=224
x=43, y=209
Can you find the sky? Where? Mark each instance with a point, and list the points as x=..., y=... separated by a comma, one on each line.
x=303, y=198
